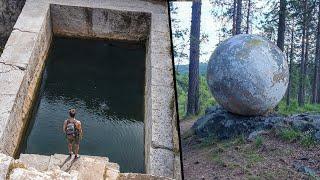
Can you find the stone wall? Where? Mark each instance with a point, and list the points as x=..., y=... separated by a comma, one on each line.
x=9, y=12
x=22, y=62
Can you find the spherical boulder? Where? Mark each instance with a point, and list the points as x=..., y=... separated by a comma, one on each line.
x=248, y=75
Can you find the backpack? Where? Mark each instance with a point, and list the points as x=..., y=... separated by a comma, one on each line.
x=71, y=129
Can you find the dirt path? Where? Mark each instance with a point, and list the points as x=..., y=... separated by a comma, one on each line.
x=270, y=158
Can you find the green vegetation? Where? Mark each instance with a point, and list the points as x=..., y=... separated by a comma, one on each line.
x=208, y=141
x=217, y=159
x=294, y=108
x=289, y=134
x=307, y=140
x=258, y=142
x=253, y=157
x=206, y=99
x=292, y=135
x=240, y=140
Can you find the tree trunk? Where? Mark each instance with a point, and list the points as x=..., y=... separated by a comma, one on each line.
x=248, y=17
x=234, y=17
x=306, y=58
x=193, y=89
x=301, y=93
x=290, y=65
x=239, y=17
x=315, y=91
x=287, y=50
x=281, y=24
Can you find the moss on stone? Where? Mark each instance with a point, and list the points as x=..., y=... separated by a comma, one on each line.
x=254, y=42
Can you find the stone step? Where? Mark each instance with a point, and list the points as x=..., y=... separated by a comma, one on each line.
x=137, y=176
x=62, y=167
x=39, y=162
x=88, y=167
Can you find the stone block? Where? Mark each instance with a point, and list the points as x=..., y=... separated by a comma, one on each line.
x=113, y=166
x=5, y=162
x=89, y=167
x=161, y=60
x=39, y=162
x=160, y=41
x=161, y=162
x=177, y=167
x=11, y=78
x=31, y=174
x=59, y=160
x=32, y=16
x=71, y=20
x=136, y=176
x=111, y=173
x=160, y=23
x=19, y=48
x=4, y=117
x=161, y=77
x=162, y=130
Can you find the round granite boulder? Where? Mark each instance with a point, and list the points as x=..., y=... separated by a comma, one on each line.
x=248, y=75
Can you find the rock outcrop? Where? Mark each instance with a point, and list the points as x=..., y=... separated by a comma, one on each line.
x=222, y=124
x=9, y=12
x=63, y=167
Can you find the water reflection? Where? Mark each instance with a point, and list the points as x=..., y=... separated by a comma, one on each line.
x=104, y=81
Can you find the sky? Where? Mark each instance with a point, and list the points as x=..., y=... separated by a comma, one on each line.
x=210, y=25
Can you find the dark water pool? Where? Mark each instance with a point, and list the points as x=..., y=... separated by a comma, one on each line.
x=104, y=81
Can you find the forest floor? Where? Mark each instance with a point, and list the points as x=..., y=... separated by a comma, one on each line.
x=268, y=157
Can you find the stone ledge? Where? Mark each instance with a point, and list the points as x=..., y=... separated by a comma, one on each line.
x=32, y=16
x=19, y=48
x=134, y=176
x=34, y=166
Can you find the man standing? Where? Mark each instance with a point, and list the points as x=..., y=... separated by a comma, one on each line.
x=73, y=130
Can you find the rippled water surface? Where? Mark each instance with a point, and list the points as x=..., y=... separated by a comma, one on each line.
x=104, y=81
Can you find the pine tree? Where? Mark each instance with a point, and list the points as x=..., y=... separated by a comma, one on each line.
x=193, y=90
x=234, y=17
x=239, y=17
x=281, y=24
x=290, y=65
x=248, y=17
x=315, y=90
x=301, y=93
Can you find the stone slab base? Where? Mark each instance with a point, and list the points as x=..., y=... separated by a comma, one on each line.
x=63, y=167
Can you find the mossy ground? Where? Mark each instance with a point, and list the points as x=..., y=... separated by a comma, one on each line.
x=271, y=156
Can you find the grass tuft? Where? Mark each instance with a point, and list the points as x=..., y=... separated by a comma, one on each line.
x=289, y=134
x=258, y=142
x=208, y=141
x=294, y=108
x=307, y=140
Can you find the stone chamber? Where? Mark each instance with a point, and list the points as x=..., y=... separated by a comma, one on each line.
x=23, y=60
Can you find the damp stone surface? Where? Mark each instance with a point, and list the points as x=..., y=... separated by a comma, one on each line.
x=248, y=75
